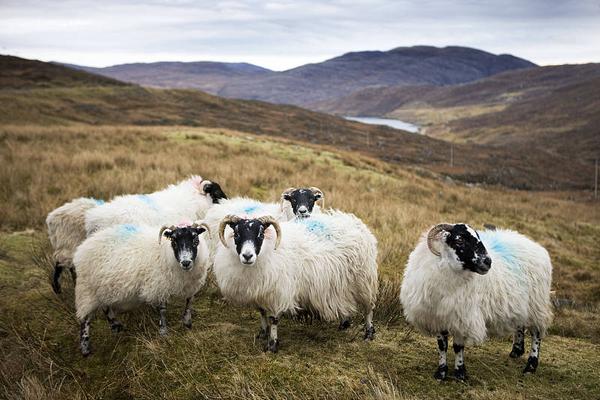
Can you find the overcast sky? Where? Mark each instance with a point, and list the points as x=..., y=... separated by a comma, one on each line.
x=285, y=34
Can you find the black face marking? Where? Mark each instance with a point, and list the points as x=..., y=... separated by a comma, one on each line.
x=184, y=241
x=248, y=231
x=213, y=189
x=469, y=249
x=302, y=201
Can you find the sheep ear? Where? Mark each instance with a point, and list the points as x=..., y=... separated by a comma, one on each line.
x=166, y=232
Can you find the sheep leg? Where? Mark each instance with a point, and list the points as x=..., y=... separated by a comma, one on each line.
x=84, y=336
x=115, y=325
x=532, y=361
x=518, y=347
x=345, y=323
x=73, y=275
x=442, y=370
x=460, y=372
x=58, y=269
x=187, y=313
x=162, y=322
x=369, y=328
x=273, y=344
x=264, y=325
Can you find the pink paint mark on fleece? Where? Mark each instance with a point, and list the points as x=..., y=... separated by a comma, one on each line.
x=197, y=182
x=184, y=224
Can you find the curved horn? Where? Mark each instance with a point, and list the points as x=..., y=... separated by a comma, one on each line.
x=164, y=228
x=317, y=191
x=433, y=235
x=228, y=220
x=270, y=221
x=203, y=224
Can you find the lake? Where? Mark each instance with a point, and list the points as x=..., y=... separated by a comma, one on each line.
x=394, y=123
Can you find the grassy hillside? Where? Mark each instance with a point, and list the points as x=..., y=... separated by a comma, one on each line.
x=219, y=358
x=63, y=104
x=554, y=108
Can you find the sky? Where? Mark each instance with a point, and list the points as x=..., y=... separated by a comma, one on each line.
x=284, y=34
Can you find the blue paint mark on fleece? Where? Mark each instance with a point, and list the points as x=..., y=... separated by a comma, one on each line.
x=147, y=199
x=127, y=230
x=315, y=226
x=99, y=202
x=251, y=209
x=492, y=240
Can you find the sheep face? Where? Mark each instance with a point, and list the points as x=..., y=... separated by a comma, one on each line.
x=184, y=242
x=213, y=189
x=249, y=235
x=462, y=249
x=302, y=200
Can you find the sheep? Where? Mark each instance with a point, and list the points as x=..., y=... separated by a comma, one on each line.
x=66, y=231
x=187, y=200
x=468, y=284
x=326, y=264
x=123, y=266
x=294, y=203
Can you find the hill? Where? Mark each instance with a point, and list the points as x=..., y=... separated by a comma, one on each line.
x=553, y=107
x=206, y=76
x=332, y=78
x=135, y=105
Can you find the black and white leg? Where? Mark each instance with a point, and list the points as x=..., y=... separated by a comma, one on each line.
x=84, y=336
x=264, y=325
x=345, y=323
x=460, y=371
x=162, y=322
x=115, y=325
x=518, y=347
x=187, y=313
x=534, y=354
x=369, y=328
x=442, y=369
x=273, y=344
x=73, y=275
x=58, y=269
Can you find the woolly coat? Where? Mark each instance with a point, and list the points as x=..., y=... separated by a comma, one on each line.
x=66, y=228
x=124, y=266
x=184, y=201
x=514, y=293
x=326, y=264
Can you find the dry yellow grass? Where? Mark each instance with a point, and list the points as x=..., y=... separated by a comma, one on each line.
x=44, y=167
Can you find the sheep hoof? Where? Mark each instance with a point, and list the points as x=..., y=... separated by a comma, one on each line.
x=262, y=334
x=273, y=346
x=345, y=324
x=116, y=327
x=86, y=350
x=517, y=352
x=162, y=331
x=441, y=372
x=460, y=373
x=188, y=324
x=370, y=333
x=531, y=367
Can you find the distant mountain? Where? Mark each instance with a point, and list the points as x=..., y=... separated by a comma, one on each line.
x=207, y=76
x=19, y=73
x=330, y=79
x=555, y=107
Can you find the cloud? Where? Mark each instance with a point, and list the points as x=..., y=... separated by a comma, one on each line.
x=284, y=34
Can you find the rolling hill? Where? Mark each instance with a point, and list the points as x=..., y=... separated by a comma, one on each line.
x=554, y=107
x=329, y=79
x=114, y=104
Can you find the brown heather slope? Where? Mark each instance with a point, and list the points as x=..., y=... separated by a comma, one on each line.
x=557, y=108
x=133, y=105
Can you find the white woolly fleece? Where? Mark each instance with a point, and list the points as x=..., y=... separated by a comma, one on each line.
x=124, y=265
x=66, y=228
x=175, y=203
x=326, y=263
x=514, y=293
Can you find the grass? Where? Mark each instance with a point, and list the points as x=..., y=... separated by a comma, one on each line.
x=219, y=358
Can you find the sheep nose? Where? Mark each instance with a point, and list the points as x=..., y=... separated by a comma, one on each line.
x=247, y=257
x=487, y=262
x=302, y=210
x=186, y=263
